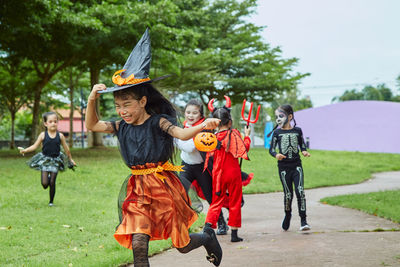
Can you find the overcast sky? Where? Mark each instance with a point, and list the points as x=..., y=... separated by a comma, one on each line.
x=344, y=44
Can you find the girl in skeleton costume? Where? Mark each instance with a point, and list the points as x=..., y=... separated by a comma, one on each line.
x=153, y=204
x=286, y=143
x=51, y=160
x=226, y=172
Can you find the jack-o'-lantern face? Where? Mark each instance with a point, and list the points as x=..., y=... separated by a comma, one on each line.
x=205, y=141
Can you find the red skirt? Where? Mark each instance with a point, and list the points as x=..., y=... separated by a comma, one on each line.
x=160, y=209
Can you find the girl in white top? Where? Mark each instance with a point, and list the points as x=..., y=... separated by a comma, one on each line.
x=192, y=160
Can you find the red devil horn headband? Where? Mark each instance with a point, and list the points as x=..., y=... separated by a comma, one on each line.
x=211, y=103
x=228, y=101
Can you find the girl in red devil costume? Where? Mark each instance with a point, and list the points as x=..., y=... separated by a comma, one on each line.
x=193, y=162
x=226, y=172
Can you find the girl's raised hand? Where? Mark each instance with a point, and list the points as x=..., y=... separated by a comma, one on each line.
x=211, y=123
x=94, y=93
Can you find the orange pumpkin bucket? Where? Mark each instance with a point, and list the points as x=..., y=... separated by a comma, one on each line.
x=205, y=141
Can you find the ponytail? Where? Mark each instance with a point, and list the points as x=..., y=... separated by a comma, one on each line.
x=276, y=126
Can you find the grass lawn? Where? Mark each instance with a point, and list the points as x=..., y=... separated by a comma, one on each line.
x=323, y=168
x=78, y=230
x=383, y=204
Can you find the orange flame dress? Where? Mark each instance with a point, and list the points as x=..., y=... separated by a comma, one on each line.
x=152, y=200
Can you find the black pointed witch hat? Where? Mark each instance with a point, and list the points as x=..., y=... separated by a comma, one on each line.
x=137, y=67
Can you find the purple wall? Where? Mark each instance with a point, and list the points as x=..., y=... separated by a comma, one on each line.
x=365, y=126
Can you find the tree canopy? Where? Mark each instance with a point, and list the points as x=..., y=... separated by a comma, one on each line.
x=380, y=92
x=210, y=47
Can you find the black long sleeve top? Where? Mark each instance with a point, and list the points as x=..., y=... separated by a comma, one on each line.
x=288, y=143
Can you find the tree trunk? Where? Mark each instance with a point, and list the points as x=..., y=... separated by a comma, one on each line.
x=36, y=110
x=97, y=138
x=71, y=114
x=12, y=141
x=45, y=75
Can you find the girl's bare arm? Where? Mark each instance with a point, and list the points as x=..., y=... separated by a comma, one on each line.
x=92, y=121
x=187, y=133
x=66, y=148
x=33, y=147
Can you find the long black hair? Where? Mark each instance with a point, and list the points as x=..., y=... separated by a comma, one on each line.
x=156, y=104
x=288, y=110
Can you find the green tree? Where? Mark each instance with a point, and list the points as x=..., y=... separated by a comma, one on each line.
x=250, y=67
x=292, y=98
x=54, y=31
x=231, y=58
x=69, y=81
x=369, y=92
x=385, y=92
x=123, y=23
x=16, y=78
x=348, y=95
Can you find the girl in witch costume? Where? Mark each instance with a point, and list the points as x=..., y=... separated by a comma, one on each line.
x=153, y=203
x=226, y=172
x=51, y=160
x=285, y=144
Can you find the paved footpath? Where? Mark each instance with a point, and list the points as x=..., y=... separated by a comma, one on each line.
x=338, y=236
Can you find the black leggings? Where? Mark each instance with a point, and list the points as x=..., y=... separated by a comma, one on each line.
x=195, y=172
x=140, y=247
x=49, y=178
x=289, y=177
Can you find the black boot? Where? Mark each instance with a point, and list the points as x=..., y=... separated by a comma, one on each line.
x=286, y=221
x=222, y=227
x=234, y=236
x=213, y=248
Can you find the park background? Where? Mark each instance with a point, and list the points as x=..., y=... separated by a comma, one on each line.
x=53, y=52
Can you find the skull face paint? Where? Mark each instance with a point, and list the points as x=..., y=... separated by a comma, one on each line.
x=281, y=117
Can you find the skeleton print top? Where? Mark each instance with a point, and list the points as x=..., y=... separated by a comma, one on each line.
x=289, y=143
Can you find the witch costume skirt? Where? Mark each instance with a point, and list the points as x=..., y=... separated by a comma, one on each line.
x=42, y=162
x=159, y=208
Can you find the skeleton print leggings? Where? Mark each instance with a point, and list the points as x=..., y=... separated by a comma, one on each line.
x=293, y=176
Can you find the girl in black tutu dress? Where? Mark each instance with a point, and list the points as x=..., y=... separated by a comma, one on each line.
x=51, y=160
x=153, y=204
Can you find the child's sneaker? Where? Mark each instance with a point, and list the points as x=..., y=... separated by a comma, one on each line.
x=51, y=204
x=304, y=225
x=286, y=221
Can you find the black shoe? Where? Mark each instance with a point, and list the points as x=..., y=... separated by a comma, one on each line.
x=235, y=237
x=212, y=246
x=304, y=225
x=286, y=221
x=222, y=226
